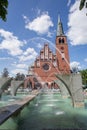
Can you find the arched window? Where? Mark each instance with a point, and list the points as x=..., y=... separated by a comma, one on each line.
x=59, y=40
x=62, y=40
x=29, y=84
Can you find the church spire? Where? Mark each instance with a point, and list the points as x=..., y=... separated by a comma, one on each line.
x=59, y=27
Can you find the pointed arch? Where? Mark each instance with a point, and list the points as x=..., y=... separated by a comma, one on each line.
x=62, y=40
x=59, y=40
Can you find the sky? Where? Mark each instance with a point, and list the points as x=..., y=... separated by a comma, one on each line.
x=31, y=23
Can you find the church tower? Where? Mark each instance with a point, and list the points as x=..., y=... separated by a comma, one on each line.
x=47, y=64
x=62, y=49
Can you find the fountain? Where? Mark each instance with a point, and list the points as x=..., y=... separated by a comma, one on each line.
x=53, y=112
x=47, y=111
x=48, y=108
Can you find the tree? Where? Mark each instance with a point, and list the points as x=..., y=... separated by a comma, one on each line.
x=5, y=72
x=3, y=9
x=82, y=4
x=20, y=76
x=84, y=76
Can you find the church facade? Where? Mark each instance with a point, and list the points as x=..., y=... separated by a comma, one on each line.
x=48, y=64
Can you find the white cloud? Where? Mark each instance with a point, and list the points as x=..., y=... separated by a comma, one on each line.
x=38, y=11
x=69, y=2
x=75, y=64
x=6, y=58
x=29, y=54
x=85, y=59
x=15, y=71
x=50, y=34
x=21, y=65
x=26, y=19
x=77, y=23
x=30, y=51
x=39, y=45
x=11, y=43
x=41, y=24
x=19, y=68
x=26, y=58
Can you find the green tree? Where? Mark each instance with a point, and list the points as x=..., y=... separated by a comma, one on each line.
x=82, y=4
x=3, y=9
x=84, y=76
x=19, y=76
x=5, y=72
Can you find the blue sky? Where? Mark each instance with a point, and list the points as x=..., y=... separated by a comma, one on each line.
x=31, y=23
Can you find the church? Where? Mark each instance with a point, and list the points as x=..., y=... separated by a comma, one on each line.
x=47, y=64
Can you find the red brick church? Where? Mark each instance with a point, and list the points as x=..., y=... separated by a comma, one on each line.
x=42, y=73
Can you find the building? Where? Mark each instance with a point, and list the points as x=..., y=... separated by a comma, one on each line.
x=48, y=64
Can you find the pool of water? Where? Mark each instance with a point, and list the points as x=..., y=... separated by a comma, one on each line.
x=8, y=99
x=49, y=111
